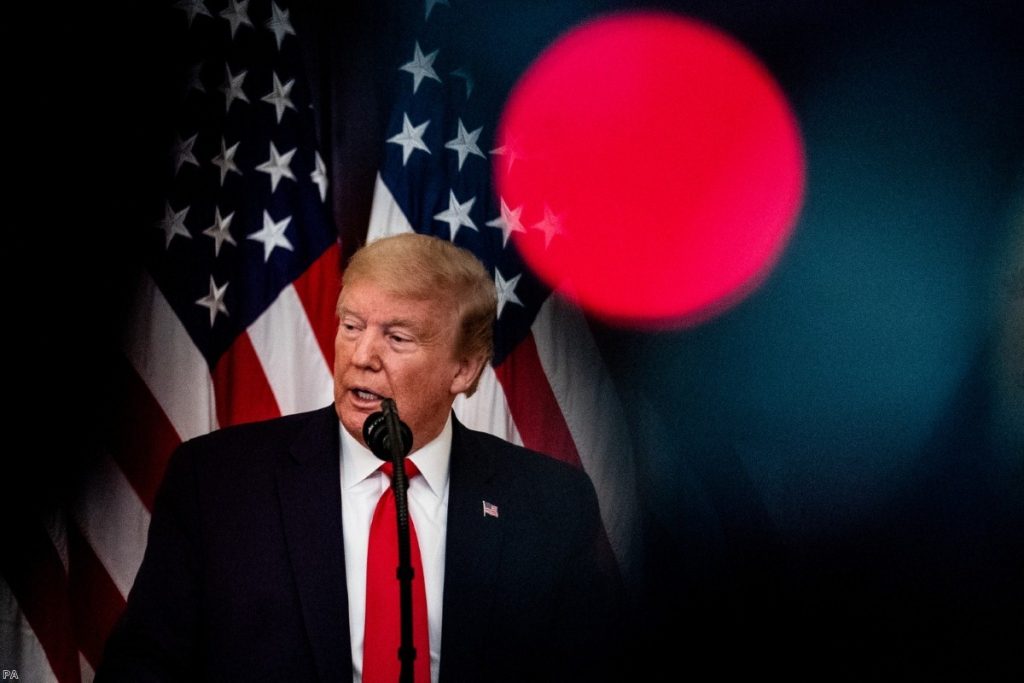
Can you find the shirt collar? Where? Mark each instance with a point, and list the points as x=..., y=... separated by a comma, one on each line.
x=358, y=463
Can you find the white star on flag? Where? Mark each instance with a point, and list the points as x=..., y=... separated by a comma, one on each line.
x=319, y=176
x=272, y=235
x=506, y=290
x=410, y=138
x=232, y=88
x=277, y=166
x=225, y=161
x=465, y=144
x=220, y=231
x=280, y=97
x=279, y=23
x=237, y=14
x=550, y=225
x=214, y=301
x=508, y=221
x=456, y=215
x=183, y=153
x=173, y=224
x=421, y=67
x=192, y=8
x=511, y=151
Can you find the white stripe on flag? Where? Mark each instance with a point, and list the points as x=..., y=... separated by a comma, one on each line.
x=487, y=409
x=177, y=375
x=114, y=522
x=19, y=647
x=290, y=355
x=590, y=404
x=386, y=217
x=87, y=673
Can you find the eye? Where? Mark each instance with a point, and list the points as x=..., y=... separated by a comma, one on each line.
x=399, y=339
x=349, y=327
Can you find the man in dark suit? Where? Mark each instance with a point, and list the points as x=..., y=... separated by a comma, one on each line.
x=255, y=567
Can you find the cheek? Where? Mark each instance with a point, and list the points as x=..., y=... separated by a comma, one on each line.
x=342, y=352
x=420, y=385
x=337, y=343
x=439, y=381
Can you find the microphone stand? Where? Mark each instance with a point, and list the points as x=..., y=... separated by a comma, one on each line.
x=400, y=484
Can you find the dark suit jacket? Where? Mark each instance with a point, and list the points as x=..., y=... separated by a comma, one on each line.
x=244, y=575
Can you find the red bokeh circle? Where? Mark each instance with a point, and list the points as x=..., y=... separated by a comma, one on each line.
x=654, y=167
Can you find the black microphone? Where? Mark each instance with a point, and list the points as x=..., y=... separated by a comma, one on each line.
x=382, y=426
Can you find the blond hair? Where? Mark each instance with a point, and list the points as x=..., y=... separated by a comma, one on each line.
x=420, y=267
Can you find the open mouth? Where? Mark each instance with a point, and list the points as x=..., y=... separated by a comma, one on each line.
x=366, y=396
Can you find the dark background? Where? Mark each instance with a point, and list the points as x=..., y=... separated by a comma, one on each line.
x=831, y=473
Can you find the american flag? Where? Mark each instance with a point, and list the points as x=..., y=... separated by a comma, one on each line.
x=233, y=320
x=490, y=510
x=234, y=315
x=548, y=388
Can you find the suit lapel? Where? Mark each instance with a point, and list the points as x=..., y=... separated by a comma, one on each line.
x=309, y=489
x=473, y=552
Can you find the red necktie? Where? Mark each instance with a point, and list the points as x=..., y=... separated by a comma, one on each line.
x=382, y=637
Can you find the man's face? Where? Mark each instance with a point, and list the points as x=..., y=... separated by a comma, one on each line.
x=391, y=347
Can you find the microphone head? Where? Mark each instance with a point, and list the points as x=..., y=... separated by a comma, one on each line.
x=378, y=437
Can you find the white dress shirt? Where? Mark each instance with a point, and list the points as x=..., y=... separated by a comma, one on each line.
x=362, y=485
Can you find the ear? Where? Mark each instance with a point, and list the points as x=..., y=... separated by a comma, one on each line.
x=469, y=369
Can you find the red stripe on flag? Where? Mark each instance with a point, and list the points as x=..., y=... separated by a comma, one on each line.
x=33, y=570
x=318, y=290
x=139, y=435
x=95, y=599
x=533, y=405
x=242, y=391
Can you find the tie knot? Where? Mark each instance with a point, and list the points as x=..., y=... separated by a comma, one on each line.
x=410, y=468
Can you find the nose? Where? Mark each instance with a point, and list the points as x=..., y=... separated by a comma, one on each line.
x=367, y=351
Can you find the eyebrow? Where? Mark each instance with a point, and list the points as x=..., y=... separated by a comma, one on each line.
x=417, y=329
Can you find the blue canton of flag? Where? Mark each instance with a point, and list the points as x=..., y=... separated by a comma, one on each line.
x=245, y=212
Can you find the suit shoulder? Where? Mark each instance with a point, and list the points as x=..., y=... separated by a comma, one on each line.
x=256, y=441
x=278, y=428
x=243, y=458
x=525, y=463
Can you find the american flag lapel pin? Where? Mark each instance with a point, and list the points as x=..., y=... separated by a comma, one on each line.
x=490, y=510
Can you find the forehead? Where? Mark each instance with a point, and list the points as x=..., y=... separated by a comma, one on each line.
x=378, y=304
